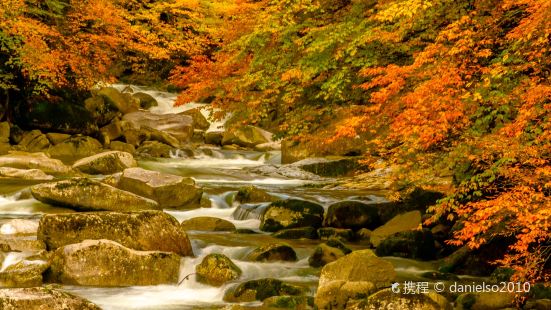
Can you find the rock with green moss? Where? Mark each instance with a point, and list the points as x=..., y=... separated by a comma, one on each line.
x=273, y=252
x=288, y=302
x=297, y=233
x=386, y=299
x=292, y=213
x=353, y=215
x=144, y=231
x=23, y=274
x=338, y=294
x=107, y=263
x=253, y=194
x=260, y=290
x=105, y=163
x=76, y=147
x=216, y=270
x=207, y=223
x=404, y=222
x=42, y=298
x=40, y=161
x=168, y=190
x=416, y=244
x=83, y=194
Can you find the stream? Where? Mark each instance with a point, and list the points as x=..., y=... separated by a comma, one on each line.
x=220, y=173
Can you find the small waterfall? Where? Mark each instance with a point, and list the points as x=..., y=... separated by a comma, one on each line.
x=249, y=211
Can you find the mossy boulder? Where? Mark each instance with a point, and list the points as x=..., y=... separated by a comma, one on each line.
x=122, y=147
x=288, y=302
x=292, y=213
x=324, y=254
x=253, y=194
x=107, y=263
x=260, y=290
x=83, y=194
x=123, y=102
x=199, y=120
x=216, y=270
x=23, y=274
x=400, y=223
x=146, y=101
x=246, y=136
x=206, y=223
x=42, y=298
x=273, y=252
x=353, y=215
x=144, y=231
x=105, y=163
x=76, y=147
x=40, y=161
x=416, y=244
x=297, y=233
x=168, y=190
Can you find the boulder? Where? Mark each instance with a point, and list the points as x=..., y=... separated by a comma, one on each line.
x=101, y=110
x=199, y=120
x=418, y=244
x=161, y=136
x=135, y=137
x=122, y=147
x=177, y=125
x=288, y=302
x=144, y=231
x=297, y=233
x=146, y=101
x=56, y=138
x=246, y=136
x=206, y=223
x=293, y=151
x=291, y=213
x=214, y=137
x=24, y=174
x=330, y=166
x=352, y=214
x=324, y=254
x=338, y=294
x=112, y=131
x=107, y=263
x=76, y=147
x=24, y=160
x=216, y=270
x=42, y=298
x=23, y=274
x=403, y=222
x=361, y=265
x=389, y=300
x=327, y=233
x=168, y=190
x=84, y=194
x=273, y=252
x=155, y=149
x=252, y=194
x=260, y=290
x=105, y=163
x=34, y=141
x=123, y=102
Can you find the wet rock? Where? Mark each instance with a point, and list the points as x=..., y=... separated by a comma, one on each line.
x=168, y=190
x=324, y=254
x=363, y=235
x=327, y=233
x=122, y=147
x=386, y=299
x=34, y=141
x=123, y=102
x=42, y=298
x=291, y=213
x=260, y=290
x=24, y=174
x=273, y=252
x=330, y=166
x=155, y=149
x=216, y=270
x=246, y=136
x=84, y=194
x=206, y=223
x=108, y=263
x=297, y=233
x=361, y=265
x=352, y=214
x=144, y=231
x=199, y=120
x=288, y=302
x=177, y=125
x=57, y=138
x=105, y=163
x=292, y=151
x=19, y=227
x=485, y=301
x=101, y=110
x=161, y=136
x=336, y=243
x=214, y=137
x=403, y=222
x=409, y=244
x=338, y=294
x=146, y=101
x=285, y=171
x=253, y=194
x=12, y=244
x=76, y=147
x=23, y=274
x=40, y=161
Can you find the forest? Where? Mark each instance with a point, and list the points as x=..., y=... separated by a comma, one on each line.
x=331, y=123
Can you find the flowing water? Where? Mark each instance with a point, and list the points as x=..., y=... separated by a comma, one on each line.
x=220, y=173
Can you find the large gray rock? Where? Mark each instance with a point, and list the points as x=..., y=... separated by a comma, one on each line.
x=76, y=147
x=105, y=163
x=216, y=270
x=168, y=190
x=42, y=298
x=40, y=161
x=24, y=174
x=403, y=222
x=108, y=263
x=144, y=231
x=291, y=213
x=178, y=125
x=83, y=194
x=246, y=136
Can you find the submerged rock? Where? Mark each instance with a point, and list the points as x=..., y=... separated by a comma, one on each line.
x=246, y=136
x=105, y=163
x=291, y=213
x=260, y=290
x=217, y=269
x=107, y=263
x=42, y=298
x=83, y=194
x=24, y=174
x=403, y=222
x=144, y=231
x=207, y=223
x=273, y=252
x=168, y=190
x=40, y=161
x=352, y=214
